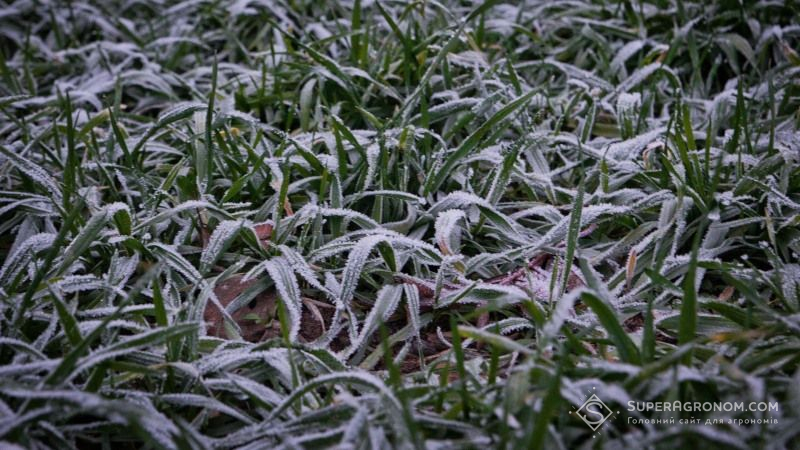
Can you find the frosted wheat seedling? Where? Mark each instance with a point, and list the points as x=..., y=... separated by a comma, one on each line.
x=360, y=224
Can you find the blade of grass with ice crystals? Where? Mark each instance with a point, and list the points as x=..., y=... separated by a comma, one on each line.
x=71, y=164
x=688, y=315
x=386, y=301
x=68, y=322
x=496, y=340
x=85, y=238
x=503, y=174
x=408, y=52
x=280, y=271
x=462, y=372
x=535, y=438
x=572, y=235
x=69, y=361
x=165, y=119
x=145, y=339
x=444, y=171
x=356, y=34
x=625, y=347
x=410, y=101
x=220, y=240
x=208, y=146
x=39, y=175
x=41, y=273
x=648, y=335
x=12, y=272
x=608, y=318
x=351, y=377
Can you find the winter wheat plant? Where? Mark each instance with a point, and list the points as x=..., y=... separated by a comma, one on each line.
x=382, y=224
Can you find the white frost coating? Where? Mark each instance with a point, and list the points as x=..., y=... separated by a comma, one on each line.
x=253, y=388
x=625, y=53
x=349, y=377
x=402, y=195
x=345, y=243
x=280, y=271
x=9, y=370
x=255, y=271
x=561, y=313
x=24, y=255
x=176, y=261
x=222, y=236
x=510, y=325
x=570, y=71
x=108, y=310
x=301, y=267
x=229, y=359
x=87, y=326
x=44, y=337
x=468, y=59
x=185, y=399
x=790, y=280
x=181, y=110
x=628, y=104
x=630, y=148
x=113, y=208
x=684, y=207
x=412, y=296
x=548, y=212
x=122, y=268
x=373, y=152
x=191, y=204
x=447, y=236
x=537, y=203
x=494, y=293
x=386, y=302
x=452, y=106
x=355, y=264
x=78, y=283
x=34, y=171
x=639, y=75
x=362, y=220
x=464, y=199
x=538, y=282
x=355, y=426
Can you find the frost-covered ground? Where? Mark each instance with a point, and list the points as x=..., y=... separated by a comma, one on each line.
x=366, y=224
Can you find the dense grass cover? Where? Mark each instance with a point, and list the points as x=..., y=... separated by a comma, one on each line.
x=363, y=224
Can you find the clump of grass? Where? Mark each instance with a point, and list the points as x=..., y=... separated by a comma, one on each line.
x=464, y=218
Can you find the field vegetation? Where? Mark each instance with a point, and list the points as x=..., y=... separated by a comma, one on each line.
x=372, y=224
